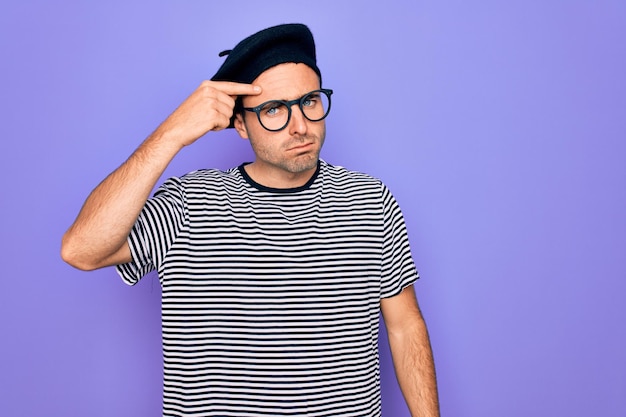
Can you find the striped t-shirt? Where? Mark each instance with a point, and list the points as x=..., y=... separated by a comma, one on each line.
x=271, y=297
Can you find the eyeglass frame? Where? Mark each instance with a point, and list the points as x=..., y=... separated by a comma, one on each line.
x=289, y=103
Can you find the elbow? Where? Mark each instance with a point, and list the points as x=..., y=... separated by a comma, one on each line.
x=71, y=254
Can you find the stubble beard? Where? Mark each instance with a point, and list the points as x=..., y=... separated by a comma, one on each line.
x=302, y=163
x=308, y=160
x=299, y=163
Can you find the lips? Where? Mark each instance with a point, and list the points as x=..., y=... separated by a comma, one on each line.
x=302, y=146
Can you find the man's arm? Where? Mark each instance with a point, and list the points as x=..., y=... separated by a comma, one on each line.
x=98, y=237
x=411, y=353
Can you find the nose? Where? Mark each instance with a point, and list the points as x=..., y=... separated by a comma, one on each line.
x=298, y=123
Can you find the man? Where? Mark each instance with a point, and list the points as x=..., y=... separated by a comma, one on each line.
x=274, y=272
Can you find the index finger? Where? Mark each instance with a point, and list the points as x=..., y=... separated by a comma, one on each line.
x=238, y=89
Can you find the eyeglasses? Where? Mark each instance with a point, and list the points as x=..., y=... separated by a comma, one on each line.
x=274, y=115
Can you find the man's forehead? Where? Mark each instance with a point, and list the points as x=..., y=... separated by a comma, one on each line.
x=285, y=82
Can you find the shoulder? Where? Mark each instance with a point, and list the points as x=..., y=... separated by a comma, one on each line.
x=345, y=180
x=209, y=178
x=209, y=174
x=202, y=181
x=341, y=174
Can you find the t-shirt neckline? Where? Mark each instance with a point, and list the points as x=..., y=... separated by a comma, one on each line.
x=262, y=187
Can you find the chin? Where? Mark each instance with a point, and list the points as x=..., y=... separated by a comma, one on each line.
x=302, y=164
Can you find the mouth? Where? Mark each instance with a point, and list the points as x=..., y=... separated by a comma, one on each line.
x=301, y=146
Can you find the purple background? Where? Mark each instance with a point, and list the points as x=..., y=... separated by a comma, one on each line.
x=499, y=126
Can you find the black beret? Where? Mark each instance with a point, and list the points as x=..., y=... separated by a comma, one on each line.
x=265, y=49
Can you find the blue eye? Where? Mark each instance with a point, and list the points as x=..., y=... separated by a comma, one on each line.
x=310, y=100
x=273, y=109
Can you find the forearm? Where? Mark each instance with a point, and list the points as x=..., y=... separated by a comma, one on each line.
x=415, y=369
x=110, y=211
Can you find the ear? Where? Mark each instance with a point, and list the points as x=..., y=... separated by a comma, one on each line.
x=240, y=126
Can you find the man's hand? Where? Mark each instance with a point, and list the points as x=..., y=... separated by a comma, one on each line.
x=208, y=108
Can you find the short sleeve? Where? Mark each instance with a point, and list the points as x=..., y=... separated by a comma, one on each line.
x=398, y=268
x=154, y=232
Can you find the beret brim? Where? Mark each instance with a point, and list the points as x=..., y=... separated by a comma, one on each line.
x=265, y=49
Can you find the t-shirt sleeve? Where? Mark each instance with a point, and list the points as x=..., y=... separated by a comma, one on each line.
x=154, y=232
x=398, y=268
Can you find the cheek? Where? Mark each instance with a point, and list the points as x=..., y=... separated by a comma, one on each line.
x=267, y=147
x=260, y=145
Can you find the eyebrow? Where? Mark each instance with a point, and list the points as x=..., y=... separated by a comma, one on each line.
x=287, y=99
x=278, y=99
